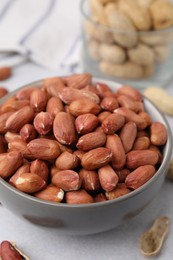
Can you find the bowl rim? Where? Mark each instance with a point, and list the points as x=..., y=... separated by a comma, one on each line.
x=109, y=29
x=165, y=162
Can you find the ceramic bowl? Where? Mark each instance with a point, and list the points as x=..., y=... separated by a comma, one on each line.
x=94, y=217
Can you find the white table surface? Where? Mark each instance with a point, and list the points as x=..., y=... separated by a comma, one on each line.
x=42, y=243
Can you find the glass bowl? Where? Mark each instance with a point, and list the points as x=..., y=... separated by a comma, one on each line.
x=139, y=58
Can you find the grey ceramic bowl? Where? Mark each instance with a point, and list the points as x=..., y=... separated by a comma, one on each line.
x=89, y=218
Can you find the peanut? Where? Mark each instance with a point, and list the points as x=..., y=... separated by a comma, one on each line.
x=96, y=158
x=68, y=95
x=22, y=169
x=113, y=123
x=14, y=105
x=63, y=128
x=112, y=53
x=128, y=135
x=38, y=100
x=139, y=176
x=78, y=81
x=137, y=158
x=109, y=103
x=50, y=193
x=83, y=106
x=130, y=92
x=120, y=22
x=9, y=163
x=40, y=168
x=119, y=191
x=90, y=141
x=53, y=86
x=93, y=49
x=67, y=161
x=5, y=73
x=54, y=105
x=118, y=154
x=86, y=123
x=108, y=177
x=29, y=183
x=162, y=14
x=160, y=98
x=158, y=134
x=28, y=133
x=78, y=197
x=43, y=123
x=141, y=54
x=127, y=70
x=44, y=149
x=89, y=180
x=19, y=118
x=141, y=143
x=9, y=250
x=140, y=16
x=132, y=116
x=67, y=180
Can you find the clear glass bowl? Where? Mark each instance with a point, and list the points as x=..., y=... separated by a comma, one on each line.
x=139, y=59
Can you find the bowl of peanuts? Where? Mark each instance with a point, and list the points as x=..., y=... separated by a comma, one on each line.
x=129, y=41
x=81, y=154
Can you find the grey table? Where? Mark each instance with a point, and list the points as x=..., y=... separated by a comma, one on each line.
x=42, y=243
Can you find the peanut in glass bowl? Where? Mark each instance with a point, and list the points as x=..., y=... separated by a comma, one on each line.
x=137, y=58
x=90, y=218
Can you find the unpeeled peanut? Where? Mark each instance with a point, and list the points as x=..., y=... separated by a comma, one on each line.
x=126, y=70
x=162, y=14
x=140, y=16
x=112, y=53
x=162, y=99
x=120, y=22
